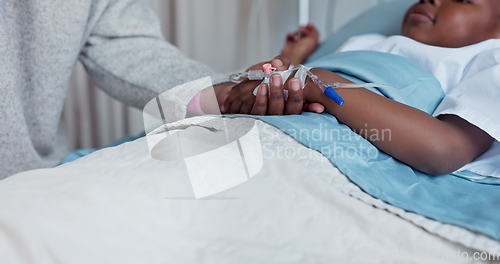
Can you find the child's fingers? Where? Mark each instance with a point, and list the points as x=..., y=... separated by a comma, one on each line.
x=309, y=30
x=293, y=36
x=312, y=31
x=222, y=97
x=276, y=98
x=311, y=27
x=260, y=106
x=227, y=103
x=281, y=63
x=247, y=104
x=314, y=108
x=238, y=95
x=303, y=30
x=295, y=102
x=235, y=106
x=232, y=98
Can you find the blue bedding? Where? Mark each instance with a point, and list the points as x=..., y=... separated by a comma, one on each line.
x=75, y=155
x=447, y=199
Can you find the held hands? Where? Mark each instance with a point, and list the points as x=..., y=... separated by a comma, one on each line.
x=270, y=99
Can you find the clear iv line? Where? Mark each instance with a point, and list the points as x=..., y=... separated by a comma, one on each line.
x=327, y=88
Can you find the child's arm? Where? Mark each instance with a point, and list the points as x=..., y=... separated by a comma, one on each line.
x=433, y=145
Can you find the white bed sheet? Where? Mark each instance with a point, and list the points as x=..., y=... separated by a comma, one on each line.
x=119, y=205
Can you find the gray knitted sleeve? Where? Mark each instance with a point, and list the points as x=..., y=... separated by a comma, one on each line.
x=128, y=58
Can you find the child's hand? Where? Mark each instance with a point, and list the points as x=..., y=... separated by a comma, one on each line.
x=301, y=44
x=242, y=101
x=270, y=99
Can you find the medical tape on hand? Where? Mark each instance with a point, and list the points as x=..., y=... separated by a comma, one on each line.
x=302, y=73
x=267, y=80
x=285, y=75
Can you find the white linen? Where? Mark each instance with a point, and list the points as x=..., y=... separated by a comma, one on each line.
x=119, y=205
x=469, y=76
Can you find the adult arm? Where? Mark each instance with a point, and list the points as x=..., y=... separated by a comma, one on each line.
x=128, y=58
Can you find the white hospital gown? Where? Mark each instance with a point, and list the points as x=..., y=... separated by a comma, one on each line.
x=469, y=76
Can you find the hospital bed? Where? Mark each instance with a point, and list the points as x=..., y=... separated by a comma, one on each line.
x=125, y=205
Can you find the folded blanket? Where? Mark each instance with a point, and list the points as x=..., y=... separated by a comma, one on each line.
x=448, y=199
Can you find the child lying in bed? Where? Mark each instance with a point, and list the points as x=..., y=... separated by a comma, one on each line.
x=456, y=41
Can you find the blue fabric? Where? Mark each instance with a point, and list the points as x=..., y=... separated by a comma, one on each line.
x=384, y=68
x=84, y=152
x=447, y=199
x=77, y=154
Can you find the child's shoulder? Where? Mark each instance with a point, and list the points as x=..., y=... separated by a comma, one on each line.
x=362, y=42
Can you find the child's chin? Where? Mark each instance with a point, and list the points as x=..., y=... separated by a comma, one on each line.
x=417, y=33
